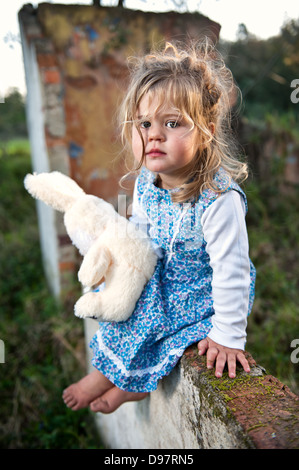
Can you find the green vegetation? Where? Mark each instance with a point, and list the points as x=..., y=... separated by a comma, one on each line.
x=12, y=116
x=44, y=342
x=264, y=70
x=273, y=226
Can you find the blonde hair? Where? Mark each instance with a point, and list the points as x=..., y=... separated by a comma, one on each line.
x=197, y=83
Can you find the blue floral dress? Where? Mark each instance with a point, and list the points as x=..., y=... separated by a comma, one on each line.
x=176, y=306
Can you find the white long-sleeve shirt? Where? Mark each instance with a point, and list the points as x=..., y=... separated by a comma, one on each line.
x=225, y=233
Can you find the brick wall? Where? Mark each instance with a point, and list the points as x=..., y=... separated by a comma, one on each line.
x=76, y=73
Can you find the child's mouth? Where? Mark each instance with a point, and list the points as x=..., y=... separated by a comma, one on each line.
x=155, y=153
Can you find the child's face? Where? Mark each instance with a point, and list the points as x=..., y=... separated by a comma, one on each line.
x=168, y=138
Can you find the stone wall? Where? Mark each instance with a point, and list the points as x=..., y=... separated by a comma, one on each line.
x=191, y=409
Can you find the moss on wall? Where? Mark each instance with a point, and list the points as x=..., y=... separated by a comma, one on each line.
x=266, y=410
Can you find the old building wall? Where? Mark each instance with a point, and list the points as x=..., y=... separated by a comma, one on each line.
x=75, y=60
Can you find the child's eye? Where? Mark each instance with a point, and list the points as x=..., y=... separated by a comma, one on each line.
x=145, y=124
x=172, y=124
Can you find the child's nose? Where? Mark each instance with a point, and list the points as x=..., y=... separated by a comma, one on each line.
x=155, y=133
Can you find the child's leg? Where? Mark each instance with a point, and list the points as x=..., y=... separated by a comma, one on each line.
x=81, y=394
x=113, y=398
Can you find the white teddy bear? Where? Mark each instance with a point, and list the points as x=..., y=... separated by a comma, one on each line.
x=114, y=249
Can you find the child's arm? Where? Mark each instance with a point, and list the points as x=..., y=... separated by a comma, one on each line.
x=227, y=245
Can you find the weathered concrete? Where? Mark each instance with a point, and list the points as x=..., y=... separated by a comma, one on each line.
x=191, y=409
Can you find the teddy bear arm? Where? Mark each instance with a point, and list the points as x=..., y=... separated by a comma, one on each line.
x=116, y=302
x=94, y=265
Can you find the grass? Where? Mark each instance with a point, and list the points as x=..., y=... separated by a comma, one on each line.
x=44, y=342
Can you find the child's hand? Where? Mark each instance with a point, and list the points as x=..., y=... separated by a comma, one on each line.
x=222, y=354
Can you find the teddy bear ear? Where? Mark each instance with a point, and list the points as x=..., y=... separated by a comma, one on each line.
x=55, y=189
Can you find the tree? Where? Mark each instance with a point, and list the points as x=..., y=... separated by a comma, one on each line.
x=265, y=69
x=12, y=115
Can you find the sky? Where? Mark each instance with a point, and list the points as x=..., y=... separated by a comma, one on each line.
x=262, y=18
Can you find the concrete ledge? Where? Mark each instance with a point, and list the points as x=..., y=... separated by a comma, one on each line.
x=191, y=409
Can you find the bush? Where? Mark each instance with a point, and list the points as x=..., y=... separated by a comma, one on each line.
x=44, y=342
x=273, y=228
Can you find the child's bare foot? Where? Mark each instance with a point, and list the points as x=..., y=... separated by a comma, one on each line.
x=81, y=394
x=113, y=398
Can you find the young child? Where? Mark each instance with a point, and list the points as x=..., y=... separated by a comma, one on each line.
x=175, y=120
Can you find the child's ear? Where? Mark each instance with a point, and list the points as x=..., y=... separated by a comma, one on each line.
x=212, y=128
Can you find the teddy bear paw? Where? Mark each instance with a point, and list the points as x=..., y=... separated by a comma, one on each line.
x=81, y=308
x=88, y=306
x=86, y=277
